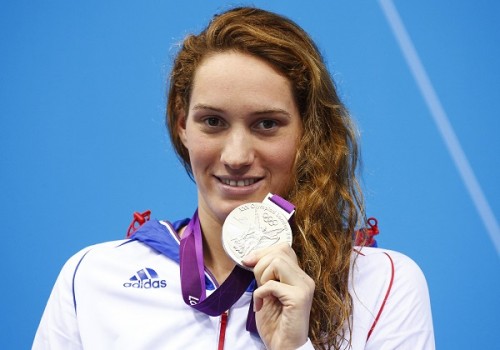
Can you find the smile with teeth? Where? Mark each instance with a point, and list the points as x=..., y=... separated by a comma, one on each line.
x=238, y=183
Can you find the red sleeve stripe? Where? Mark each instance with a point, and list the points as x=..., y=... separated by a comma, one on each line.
x=385, y=298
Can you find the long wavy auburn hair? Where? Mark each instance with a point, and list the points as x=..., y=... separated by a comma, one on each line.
x=324, y=187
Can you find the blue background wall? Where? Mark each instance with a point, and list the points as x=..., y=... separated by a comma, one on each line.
x=83, y=145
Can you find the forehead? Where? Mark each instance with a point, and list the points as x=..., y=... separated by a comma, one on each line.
x=234, y=77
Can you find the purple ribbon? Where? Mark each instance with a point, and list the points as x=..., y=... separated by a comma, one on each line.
x=193, y=274
x=193, y=278
x=282, y=203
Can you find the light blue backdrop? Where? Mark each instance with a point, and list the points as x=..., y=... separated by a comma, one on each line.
x=83, y=145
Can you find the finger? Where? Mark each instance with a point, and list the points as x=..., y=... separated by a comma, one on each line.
x=288, y=296
x=278, y=268
x=272, y=289
x=281, y=266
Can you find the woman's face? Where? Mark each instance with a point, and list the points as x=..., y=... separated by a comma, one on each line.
x=241, y=132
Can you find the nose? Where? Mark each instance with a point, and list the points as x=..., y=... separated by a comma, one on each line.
x=238, y=149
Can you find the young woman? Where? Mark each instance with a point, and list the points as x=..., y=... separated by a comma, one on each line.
x=252, y=111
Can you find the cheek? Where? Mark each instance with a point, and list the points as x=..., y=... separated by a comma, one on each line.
x=198, y=153
x=201, y=154
x=283, y=156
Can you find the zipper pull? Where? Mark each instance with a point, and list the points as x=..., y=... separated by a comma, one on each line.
x=222, y=329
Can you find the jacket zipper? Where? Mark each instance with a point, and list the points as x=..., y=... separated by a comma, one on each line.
x=222, y=329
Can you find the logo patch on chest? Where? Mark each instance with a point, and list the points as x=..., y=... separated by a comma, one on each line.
x=145, y=278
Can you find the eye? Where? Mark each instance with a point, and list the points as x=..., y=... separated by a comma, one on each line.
x=213, y=122
x=267, y=124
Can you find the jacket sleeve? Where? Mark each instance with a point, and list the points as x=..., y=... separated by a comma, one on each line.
x=405, y=321
x=58, y=328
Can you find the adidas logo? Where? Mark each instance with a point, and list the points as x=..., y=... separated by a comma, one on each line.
x=145, y=278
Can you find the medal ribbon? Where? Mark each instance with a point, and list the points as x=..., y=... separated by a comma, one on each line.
x=193, y=274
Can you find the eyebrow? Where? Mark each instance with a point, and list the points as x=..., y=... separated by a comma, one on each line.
x=201, y=106
x=204, y=106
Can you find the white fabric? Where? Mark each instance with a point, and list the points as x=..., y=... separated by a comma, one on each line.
x=111, y=316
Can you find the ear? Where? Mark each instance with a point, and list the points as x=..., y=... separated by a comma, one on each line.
x=181, y=127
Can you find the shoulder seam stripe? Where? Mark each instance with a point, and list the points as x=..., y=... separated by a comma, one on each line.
x=385, y=298
x=171, y=230
x=74, y=276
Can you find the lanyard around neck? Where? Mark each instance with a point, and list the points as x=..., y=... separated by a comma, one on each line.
x=192, y=272
x=193, y=276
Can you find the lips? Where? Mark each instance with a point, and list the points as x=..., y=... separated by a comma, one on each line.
x=238, y=182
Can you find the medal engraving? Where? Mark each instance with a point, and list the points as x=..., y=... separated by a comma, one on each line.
x=253, y=226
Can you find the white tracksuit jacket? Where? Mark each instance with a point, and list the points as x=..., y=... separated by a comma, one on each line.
x=125, y=295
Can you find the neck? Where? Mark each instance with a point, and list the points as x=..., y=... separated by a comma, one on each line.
x=215, y=258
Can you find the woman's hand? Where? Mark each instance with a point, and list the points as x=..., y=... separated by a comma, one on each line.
x=283, y=299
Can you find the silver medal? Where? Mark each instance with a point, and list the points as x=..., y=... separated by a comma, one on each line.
x=254, y=226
